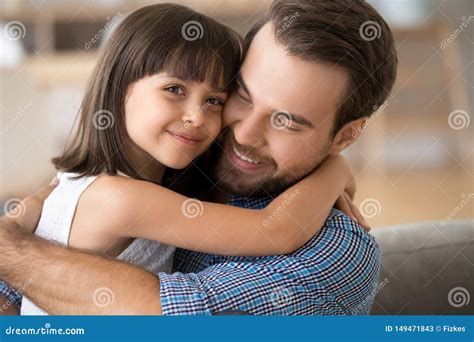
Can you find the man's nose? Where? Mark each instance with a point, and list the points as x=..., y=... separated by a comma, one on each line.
x=251, y=130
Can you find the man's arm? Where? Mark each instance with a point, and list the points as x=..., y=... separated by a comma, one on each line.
x=66, y=281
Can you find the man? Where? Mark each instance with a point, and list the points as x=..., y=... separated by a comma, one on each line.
x=310, y=79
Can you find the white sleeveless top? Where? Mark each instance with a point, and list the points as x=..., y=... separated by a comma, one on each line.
x=55, y=224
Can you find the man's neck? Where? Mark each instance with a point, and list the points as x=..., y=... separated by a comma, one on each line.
x=218, y=196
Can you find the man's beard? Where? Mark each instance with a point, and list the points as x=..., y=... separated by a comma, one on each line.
x=234, y=181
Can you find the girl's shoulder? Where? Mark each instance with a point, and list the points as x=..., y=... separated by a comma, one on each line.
x=102, y=214
x=108, y=190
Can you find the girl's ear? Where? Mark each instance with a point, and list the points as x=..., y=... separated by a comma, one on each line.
x=347, y=135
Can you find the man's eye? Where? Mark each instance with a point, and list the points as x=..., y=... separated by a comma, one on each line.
x=215, y=101
x=177, y=90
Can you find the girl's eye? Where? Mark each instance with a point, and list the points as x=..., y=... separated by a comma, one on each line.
x=177, y=90
x=215, y=101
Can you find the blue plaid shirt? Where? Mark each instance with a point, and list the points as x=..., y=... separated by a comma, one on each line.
x=335, y=273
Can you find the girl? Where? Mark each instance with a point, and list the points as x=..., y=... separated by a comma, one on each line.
x=155, y=101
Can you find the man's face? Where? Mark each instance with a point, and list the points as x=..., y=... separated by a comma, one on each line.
x=279, y=119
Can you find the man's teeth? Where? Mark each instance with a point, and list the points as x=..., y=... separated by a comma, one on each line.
x=241, y=156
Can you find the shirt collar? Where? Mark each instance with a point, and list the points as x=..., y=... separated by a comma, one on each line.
x=250, y=202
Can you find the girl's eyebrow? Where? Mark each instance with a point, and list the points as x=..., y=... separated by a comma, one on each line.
x=218, y=90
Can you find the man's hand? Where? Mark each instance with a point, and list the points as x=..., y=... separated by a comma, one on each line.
x=27, y=214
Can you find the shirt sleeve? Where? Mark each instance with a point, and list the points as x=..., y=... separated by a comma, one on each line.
x=335, y=273
x=13, y=296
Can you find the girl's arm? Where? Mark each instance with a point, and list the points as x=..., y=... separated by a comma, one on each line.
x=141, y=209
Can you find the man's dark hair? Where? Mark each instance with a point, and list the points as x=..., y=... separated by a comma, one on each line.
x=350, y=34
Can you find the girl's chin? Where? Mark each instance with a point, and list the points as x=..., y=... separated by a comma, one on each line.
x=177, y=163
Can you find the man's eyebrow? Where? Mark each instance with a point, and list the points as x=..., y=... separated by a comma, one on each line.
x=240, y=81
x=299, y=119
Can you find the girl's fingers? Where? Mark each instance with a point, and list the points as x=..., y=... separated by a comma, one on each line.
x=356, y=212
x=343, y=205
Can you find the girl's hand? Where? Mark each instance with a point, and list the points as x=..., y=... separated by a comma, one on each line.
x=345, y=202
x=28, y=212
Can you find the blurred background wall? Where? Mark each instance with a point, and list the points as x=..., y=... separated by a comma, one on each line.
x=414, y=161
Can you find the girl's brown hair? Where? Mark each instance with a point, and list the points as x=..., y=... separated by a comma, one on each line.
x=156, y=38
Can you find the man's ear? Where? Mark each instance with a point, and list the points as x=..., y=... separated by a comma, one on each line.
x=347, y=135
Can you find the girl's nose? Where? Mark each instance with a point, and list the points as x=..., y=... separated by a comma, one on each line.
x=194, y=118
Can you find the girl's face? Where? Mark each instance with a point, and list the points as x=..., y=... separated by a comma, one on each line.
x=172, y=120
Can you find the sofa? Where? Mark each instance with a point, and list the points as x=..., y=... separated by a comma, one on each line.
x=427, y=269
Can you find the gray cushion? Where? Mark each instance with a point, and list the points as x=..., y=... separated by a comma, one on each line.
x=427, y=268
